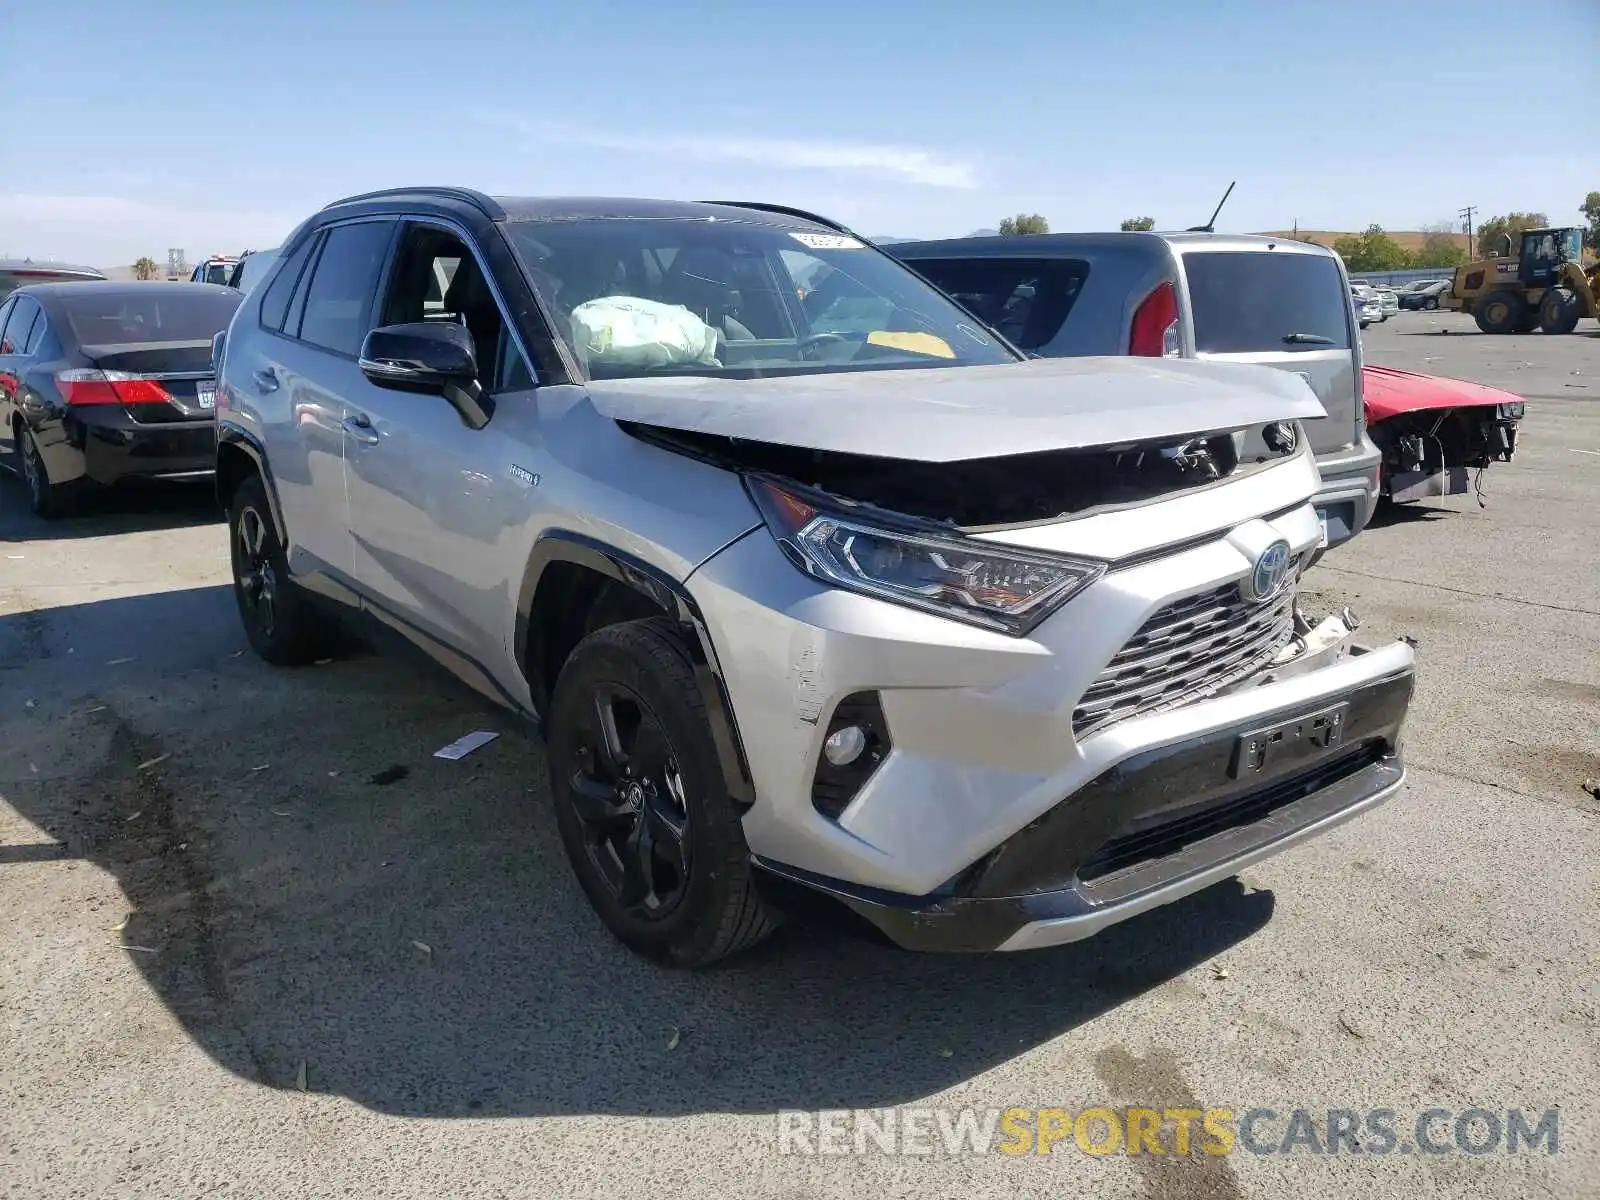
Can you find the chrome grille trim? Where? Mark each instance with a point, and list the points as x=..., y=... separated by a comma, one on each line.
x=1190, y=649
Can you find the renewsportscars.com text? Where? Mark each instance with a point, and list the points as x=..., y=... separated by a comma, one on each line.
x=1176, y=1131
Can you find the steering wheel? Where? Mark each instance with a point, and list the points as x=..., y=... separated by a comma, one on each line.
x=818, y=340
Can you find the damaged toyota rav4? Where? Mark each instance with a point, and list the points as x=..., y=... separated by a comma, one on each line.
x=825, y=600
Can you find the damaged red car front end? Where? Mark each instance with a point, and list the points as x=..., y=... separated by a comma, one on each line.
x=1436, y=434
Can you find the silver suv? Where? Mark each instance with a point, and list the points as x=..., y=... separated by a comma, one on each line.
x=1218, y=297
x=825, y=600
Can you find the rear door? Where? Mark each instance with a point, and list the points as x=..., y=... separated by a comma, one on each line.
x=1287, y=309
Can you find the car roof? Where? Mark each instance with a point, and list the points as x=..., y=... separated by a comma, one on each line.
x=22, y=266
x=577, y=208
x=51, y=292
x=1059, y=243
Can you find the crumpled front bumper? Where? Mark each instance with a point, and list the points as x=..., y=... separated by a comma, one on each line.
x=1149, y=831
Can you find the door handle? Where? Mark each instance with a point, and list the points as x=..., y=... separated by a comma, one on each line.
x=266, y=380
x=360, y=428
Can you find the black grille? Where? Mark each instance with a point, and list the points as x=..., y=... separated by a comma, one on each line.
x=1192, y=648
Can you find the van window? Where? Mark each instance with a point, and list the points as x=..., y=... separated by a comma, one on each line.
x=1026, y=299
x=1249, y=301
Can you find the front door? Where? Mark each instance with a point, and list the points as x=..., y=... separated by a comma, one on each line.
x=432, y=499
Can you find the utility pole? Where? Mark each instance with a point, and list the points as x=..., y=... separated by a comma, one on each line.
x=1466, y=215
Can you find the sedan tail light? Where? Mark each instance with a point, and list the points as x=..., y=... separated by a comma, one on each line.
x=87, y=386
x=1155, y=325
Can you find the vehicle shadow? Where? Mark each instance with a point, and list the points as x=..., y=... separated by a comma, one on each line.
x=1411, y=513
x=128, y=508
x=317, y=899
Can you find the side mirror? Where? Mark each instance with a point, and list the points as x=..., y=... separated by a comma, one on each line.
x=430, y=357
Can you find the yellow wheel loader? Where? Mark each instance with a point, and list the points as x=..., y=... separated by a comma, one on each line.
x=1545, y=287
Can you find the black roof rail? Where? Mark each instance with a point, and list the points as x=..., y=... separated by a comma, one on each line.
x=484, y=204
x=785, y=210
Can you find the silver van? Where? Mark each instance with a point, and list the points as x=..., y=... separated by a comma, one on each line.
x=1222, y=297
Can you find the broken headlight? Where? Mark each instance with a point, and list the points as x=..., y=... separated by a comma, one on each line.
x=996, y=587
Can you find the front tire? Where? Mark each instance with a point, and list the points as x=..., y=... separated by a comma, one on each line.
x=282, y=626
x=1501, y=311
x=1430, y=304
x=648, y=825
x=1559, y=310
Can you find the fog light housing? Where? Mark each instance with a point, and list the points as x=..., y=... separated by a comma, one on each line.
x=856, y=742
x=843, y=746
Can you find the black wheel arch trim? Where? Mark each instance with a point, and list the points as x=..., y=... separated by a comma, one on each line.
x=238, y=438
x=673, y=599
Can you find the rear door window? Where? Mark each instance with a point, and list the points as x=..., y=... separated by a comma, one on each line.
x=1259, y=301
x=17, y=338
x=343, y=284
x=1026, y=299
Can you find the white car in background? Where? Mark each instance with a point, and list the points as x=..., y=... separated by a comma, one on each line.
x=1368, y=308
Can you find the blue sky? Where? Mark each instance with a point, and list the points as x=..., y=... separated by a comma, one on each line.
x=217, y=125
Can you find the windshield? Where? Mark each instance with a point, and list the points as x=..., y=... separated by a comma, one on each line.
x=160, y=314
x=636, y=297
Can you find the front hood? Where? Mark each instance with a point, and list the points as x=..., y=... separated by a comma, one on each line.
x=1388, y=392
x=950, y=414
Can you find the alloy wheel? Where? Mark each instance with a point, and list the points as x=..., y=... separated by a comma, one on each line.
x=257, y=579
x=627, y=792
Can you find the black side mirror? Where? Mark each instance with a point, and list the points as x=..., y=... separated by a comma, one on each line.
x=429, y=357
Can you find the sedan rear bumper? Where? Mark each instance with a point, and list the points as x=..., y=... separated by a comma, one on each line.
x=105, y=446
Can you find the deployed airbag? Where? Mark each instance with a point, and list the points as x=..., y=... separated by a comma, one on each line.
x=630, y=331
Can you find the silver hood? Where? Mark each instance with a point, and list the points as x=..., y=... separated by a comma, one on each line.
x=948, y=414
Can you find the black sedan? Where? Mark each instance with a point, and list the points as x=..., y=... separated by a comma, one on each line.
x=101, y=382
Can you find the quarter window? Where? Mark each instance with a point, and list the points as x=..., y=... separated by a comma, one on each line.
x=1026, y=300
x=275, y=301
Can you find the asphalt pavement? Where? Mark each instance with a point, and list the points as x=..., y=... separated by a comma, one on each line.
x=257, y=941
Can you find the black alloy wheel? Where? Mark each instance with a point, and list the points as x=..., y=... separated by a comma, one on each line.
x=256, y=576
x=282, y=626
x=627, y=791
x=652, y=833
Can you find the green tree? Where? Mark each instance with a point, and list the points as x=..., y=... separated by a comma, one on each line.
x=1492, y=233
x=1023, y=224
x=1138, y=224
x=1591, y=212
x=145, y=268
x=1373, y=250
x=1439, y=247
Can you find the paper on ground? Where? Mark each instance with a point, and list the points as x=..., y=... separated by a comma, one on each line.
x=464, y=746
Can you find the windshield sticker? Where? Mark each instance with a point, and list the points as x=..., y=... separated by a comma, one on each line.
x=826, y=241
x=930, y=344
x=974, y=335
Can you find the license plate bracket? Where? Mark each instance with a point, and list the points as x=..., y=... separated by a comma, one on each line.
x=206, y=396
x=1299, y=739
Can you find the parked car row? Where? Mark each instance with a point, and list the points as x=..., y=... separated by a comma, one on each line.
x=892, y=589
x=1423, y=294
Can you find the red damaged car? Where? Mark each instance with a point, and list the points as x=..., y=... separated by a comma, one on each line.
x=1436, y=433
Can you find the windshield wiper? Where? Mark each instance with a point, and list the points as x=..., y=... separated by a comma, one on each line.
x=1308, y=339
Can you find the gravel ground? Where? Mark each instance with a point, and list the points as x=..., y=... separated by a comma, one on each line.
x=234, y=962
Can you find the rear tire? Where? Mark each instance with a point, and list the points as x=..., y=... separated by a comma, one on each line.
x=648, y=825
x=1501, y=311
x=46, y=500
x=1559, y=310
x=283, y=627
